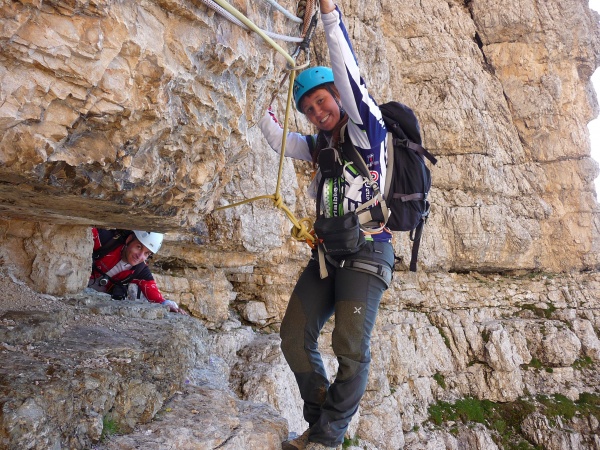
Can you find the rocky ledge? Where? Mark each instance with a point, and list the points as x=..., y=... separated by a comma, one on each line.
x=86, y=370
x=517, y=369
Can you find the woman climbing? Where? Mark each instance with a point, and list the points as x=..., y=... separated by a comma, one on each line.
x=348, y=279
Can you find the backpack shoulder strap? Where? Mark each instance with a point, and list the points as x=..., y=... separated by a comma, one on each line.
x=364, y=210
x=417, y=148
x=319, y=198
x=351, y=153
x=391, y=156
x=137, y=270
x=118, y=238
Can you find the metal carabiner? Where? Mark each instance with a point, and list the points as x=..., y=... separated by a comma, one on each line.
x=304, y=46
x=288, y=67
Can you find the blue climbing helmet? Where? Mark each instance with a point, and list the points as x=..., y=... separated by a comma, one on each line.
x=309, y=79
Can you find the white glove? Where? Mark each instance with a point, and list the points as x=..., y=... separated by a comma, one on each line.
x=171, y=305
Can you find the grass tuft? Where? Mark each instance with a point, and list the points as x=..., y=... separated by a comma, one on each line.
x=354, y=442
x=110, y=427
x=583, y=363
x=439, y=378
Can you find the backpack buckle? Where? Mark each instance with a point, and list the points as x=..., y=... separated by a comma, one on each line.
x=402, y=142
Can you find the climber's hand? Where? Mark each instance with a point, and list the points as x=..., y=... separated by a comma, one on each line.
x=174, y=307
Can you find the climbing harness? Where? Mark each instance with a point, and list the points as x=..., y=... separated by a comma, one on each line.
x=301, y=230
x=381, y=271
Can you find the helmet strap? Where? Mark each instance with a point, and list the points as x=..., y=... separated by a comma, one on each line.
x=337, y=100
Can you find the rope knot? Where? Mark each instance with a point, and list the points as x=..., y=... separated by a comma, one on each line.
x=301, y=231
x=278, y=200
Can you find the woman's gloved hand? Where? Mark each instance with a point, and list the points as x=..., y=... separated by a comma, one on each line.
x=174, y=307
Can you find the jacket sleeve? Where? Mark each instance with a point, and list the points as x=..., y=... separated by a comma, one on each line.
x=365, y=126
x=297, y=145
x=146, y=282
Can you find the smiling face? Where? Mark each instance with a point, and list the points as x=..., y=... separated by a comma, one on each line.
x=321, y=109
x=135, y=252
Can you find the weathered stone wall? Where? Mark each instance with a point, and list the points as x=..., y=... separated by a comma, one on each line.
x=112, y=108
x=142, y=115
x=54, y=258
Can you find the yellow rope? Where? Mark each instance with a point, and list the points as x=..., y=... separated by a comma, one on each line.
x=242, y=18
x=301, y=229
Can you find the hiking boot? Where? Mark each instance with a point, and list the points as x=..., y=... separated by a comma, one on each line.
x=319, y=446
x=296, y=444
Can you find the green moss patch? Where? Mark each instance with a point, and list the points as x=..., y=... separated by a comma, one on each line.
x=504, y=419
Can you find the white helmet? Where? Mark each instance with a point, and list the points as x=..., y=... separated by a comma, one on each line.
x=151, y=240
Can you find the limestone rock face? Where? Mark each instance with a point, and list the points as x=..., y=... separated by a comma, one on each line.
x=206, y=417
x=66, y=365
x=55, y=258
x=142, y=115
x=132, y=107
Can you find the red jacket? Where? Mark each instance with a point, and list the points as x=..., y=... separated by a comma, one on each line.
x=143, y=279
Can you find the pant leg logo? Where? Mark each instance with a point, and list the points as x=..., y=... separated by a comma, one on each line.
x=357, y=310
